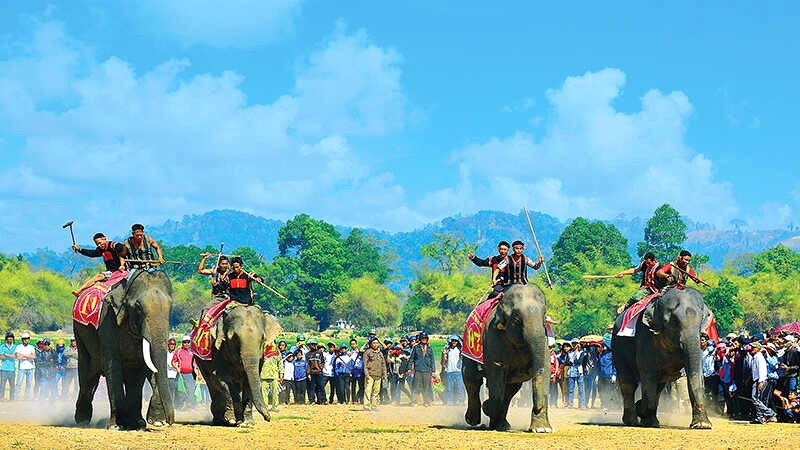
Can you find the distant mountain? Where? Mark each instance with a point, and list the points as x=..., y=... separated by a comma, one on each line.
x=236, y=229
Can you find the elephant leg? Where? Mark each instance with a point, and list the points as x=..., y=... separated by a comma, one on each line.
x=501, y=424
x=88, y=374
x=496, y=385
x=629, y=416
x=156, y=415
x=540, y=422
x=247, y=406
x=700, y=419
x=473, y=381
x=649, y=403
x=134, y=381
x=236, y=397
x=220, y=398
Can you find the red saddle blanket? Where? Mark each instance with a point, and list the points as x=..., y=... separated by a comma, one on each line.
x=201, y=335
x=90, y=302
x=628, y=328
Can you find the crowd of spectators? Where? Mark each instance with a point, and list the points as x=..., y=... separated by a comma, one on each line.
x=38, y=371
x=377, y=372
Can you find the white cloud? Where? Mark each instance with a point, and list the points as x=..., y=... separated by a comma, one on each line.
x=592, y=160
x=233, y=23
x=154, y=144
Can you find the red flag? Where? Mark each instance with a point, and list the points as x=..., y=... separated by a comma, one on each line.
x=711, y=331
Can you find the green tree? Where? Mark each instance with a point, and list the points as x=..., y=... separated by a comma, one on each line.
x=440, y=303
x=364, y=255
x=723, y=302
x=449, y=251
x=584, y=243
x=367, y=303
x=664, y=234
x=779, y=259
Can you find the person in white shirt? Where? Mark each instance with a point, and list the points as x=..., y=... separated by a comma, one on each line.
x=760, y=396
x=287, y=380
x=172, y=372
x=327, y=371
x=26, y=354
x=451, y=360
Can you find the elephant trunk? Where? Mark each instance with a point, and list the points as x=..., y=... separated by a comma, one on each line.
x=157, y=343
x=251, y=359
x=693, y=360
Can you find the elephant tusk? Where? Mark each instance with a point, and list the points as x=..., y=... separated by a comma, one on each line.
x=146, y=354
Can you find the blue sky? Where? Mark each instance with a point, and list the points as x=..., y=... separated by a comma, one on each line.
x=390, y=117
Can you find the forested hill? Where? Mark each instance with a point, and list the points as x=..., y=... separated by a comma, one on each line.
x=237, y=229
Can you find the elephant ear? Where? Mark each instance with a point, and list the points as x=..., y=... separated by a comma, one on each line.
x=709, y=317
x=271, y=328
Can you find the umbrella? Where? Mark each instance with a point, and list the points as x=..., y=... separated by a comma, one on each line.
x=592, y=339
x=793, y=327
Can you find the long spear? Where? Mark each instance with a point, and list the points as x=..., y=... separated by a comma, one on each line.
x=253, y=277
x=538, y=249
x=675, y=265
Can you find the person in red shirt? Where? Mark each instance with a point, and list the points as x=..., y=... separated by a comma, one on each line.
x=675, y=274
x=183, y=362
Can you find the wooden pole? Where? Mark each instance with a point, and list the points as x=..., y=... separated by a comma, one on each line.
x=538, y=249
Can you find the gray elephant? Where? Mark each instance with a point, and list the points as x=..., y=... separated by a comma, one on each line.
x=239, y=338
x=515, y=351
x=129, y=345
x=653, y=360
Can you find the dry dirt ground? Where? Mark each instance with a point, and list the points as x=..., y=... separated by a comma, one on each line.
x=348, y=427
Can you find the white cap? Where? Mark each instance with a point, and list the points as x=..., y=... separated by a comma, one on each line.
x=789, y=338
x=25, y=336
x=186, y=337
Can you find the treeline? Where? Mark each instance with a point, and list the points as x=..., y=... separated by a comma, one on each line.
x=327, y=276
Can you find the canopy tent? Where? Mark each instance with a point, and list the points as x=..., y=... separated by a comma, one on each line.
x=793, y=327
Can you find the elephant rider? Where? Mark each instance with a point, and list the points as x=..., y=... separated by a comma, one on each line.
x=140, y=247
x=491, y=262
x=648, y=267
x=112, y=253
x=241, y=286
x=220, y=285
x=515, y=267
x=675, y=273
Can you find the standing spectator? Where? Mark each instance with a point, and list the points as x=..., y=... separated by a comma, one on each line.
x=38, y=380
x=357, y=375
x=791, y=362
x=763, y=413
x=591, y=370
x=315, y=360
x=26, y=354
x=375, y=369
x=726, y=378
x=576, y=362
x=451, y=359
x=61, y=368
x=205, y=398
x=270, y=374
x=771, y=358
x=423, y=365
x=183, y=362
x=300, y=378
x=287, y=380
x=46, y=371
x=398, y=368
x=282, y=348
x=70, y=383
x=341, y=370
x=710, y=372
x=327, y=371
x=386, y=396
x=172, y=372
x=606, y=375
x=8, y=367
x=563, y=376
x=553, y=394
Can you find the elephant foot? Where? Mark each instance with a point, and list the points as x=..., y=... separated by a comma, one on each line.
x=245, y=424
x=540, y=425
x=222, y=423
x=630, y=418
x=700, y=422
x=158, y=423
x=499, y=425
x=473, y=417
x=650, y=422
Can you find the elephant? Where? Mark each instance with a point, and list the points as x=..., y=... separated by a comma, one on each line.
x=515, y=351
x=129, y=345
x=239, y=338
x=653, y=359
